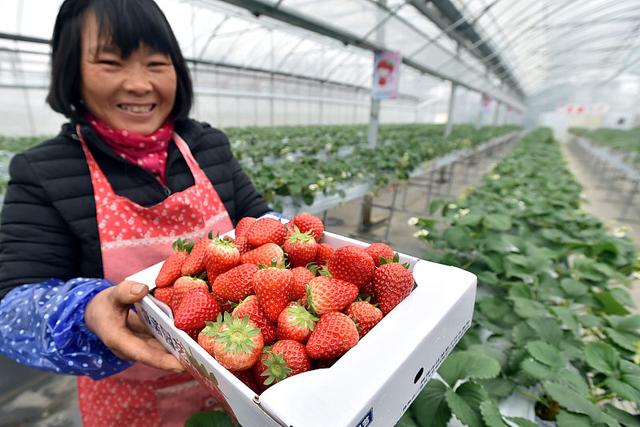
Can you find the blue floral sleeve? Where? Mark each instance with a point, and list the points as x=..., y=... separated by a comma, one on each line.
x=42, y=326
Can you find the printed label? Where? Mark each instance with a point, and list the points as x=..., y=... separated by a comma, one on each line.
x=367, y=420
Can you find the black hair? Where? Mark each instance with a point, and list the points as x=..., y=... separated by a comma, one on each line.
x=127, y=24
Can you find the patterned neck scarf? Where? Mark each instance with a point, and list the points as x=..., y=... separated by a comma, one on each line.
x=147, y=151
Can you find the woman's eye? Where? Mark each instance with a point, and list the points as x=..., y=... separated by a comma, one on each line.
x=109, y=62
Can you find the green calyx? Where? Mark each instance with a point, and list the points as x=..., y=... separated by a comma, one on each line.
x=182, y=245
x=237, y=337
x=277, y=368
x=299, y=237
x=302, y=318
x=212, y=328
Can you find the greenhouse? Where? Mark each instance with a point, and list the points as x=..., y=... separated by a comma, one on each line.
x=311, y=213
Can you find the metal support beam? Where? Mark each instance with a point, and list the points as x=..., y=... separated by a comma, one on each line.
x=451, y=110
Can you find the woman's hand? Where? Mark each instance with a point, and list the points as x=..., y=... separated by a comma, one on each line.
x=108, y=315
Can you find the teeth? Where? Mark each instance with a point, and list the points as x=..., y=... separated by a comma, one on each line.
x=137, y=108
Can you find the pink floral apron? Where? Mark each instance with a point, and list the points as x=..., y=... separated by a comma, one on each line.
x=132, y=238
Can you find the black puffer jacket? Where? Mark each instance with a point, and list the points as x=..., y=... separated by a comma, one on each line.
x=49, y=227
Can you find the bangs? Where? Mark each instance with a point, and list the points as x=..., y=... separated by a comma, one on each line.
x=127, y=24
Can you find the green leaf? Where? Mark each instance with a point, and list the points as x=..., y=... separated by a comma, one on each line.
x=471, y=219
x=537, y=370
x=572, y=401
x=491, y=414
x=465, y=403
x=529, y=308
x=546, y=354
x=430, y=408
x=623, y=390
x=566, y=316
x=548, y=330
x=522, y=422
x=629, y=368
x=498, y=388
x=573, y=288
x=625, y=323
x=467, y=364
x=602, y=357
x=609, y=304
x=590, y=321
x=625, y=418
x=500, y=243
x=575, y=381
x=497, y=222
x=406, y=420
x=458, y=237
x=209, y=419
x=568, y=419
x=623, y=339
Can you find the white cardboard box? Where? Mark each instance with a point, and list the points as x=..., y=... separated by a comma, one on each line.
x=373, y=384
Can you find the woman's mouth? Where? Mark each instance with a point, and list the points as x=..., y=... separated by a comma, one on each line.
x=137, y=108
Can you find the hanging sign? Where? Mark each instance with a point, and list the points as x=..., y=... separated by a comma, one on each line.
x=386, y=73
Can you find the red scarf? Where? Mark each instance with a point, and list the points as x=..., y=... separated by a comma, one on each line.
x=147, y=151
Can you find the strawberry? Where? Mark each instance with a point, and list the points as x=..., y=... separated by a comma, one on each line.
x=325, y=294
x=364, y=314
x=307, y=222
x=379, y=250
x=238, y=344
x=324, y=253
x=197, y=307
x=301, y=276
x=351, y=264
x=391, y=284
x=272, y=286
x=164, y=294
x=172, y=268
x=235, y=284
x=250, y=307
x=295, y=323
x=285, y=359
x=243, y=225
x=243, y=245
x=207, y=336
x=222, y=256
x=260, y=367
x=264, y=255
x=301, y=248
x=183, y=286
x=248, y=379
x=266, y=230
x=196, y=262
x=334, y=334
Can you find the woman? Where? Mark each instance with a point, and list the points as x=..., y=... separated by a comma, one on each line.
x=104, y=199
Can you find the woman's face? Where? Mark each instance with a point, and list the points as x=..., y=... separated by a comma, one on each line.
x=136, y=94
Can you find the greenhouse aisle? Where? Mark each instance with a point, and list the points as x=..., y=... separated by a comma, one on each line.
x=597, y=204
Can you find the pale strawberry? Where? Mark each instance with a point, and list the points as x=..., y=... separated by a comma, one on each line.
x=365, y=315
x=207, y=336
x=243, y=225
x=295, y=323
x=285, y=359
x=238, y=344
x=266, y=254
x=164, y=294
x=250, y=307
x=266, y=230
x=183, y=286
x=196, y=308
x=391, y=284
x=334, y=334
x=324, y=253
x=172, y=267
x=196, y=262
x=351, y=264
x=222, y=256
x=326, y=294
x=379, y=250
x=301, y=248
x=243, y=245
x=307, y=222
x=272, y=286
x=235, y=284
x=301, y=276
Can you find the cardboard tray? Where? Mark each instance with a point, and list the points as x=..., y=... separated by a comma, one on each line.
x=373, y=384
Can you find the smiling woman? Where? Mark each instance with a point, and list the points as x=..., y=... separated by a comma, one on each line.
x=105, y=199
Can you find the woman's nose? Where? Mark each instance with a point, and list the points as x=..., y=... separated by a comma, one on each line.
x=137, y=81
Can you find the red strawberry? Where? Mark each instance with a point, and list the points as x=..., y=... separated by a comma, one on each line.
x=183, y=286
x=295, y=323
x=325, y=294
x=334, y=334
x=195, y=309
x=301, y=276
x=172, y=267
x=164, y=294
x=301, y=248
x=351, y=264
x=238, y=344
x=235, y=284
x=243, y=225
x=307, y=222
x=266, y=230
x=222, y=256
x=207, y=336
x=272, y=286
x=264, y=255
x=324, y=253
x=365, y=314
x=260, y=367
x=250, y=307
x=285, y=359
x=391, y=284
x=247, y=378
x=243, y=245
x=196, y=262
x=379, y=250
